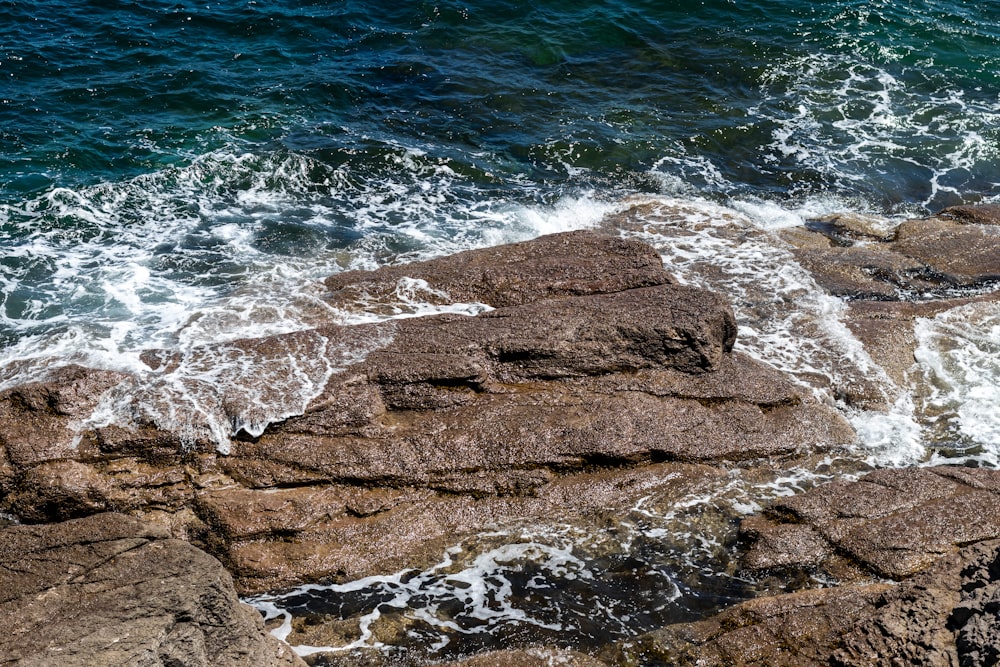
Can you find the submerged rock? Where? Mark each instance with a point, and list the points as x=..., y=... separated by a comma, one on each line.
x=110, y=590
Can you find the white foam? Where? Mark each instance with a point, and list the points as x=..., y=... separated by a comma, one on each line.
x=481, y=587
x=958, y=357
x=893, y=438
x=785, y=318
x=178, y=259
x=413, y=297
x=214, y=392
x=847, y=113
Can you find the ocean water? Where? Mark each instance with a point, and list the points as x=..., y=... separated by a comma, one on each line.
x=179, y=173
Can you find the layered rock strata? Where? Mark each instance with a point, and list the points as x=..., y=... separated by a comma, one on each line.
x=591, y=379
x=598, y=367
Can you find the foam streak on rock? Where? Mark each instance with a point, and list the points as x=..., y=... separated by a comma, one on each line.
x=215, y=392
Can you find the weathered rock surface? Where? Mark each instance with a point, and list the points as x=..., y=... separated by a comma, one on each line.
x=893, y=275
x=894, y=523
x=596, y=380
x=559, y=265
x=933, y=530
x=920, y=258
x=794, y=630
x=110, y=590
x=596, y=370
x=886, y=328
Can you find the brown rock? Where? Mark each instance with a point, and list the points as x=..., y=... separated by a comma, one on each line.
x=909, y=624
x=59, y=490
x=569, y=264
x=849, y=227
x=886, y=328
x=981, y=214
x=782, y=545
x=795, y=630
x=34, y=418
x=107, y=590
x=893, y=522
x=412, y=528
x=930, y=257
x=867, y=272
x=423, y=429
x=966, y=254
x=943, y=617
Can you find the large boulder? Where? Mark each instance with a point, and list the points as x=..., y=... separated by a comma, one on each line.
x=110, y=590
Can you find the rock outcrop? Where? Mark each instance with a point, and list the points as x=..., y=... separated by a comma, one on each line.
x=555, y=266
x=595, y=366
x=919, y=258
x=589, y=378
x=893, y=275
x=893, y=523
x=110, y=590
x=917, y=554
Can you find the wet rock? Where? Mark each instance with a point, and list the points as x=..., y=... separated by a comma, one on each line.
x=529, y=657
x=846, y=228
x=59, y=490
x=943, y=616
x=982, y=214
x=891, y=277
x=108, y=589
x=558, y=265
x=783, y=545
x=886, y=328
x=35, y=418
x=865, y=272
x=540, y=657
x=417, y=431
x=932, y=530
x=795, y=630
x=930, y=257
x=965, y=255
x=415, y=526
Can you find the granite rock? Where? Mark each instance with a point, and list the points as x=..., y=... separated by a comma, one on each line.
x=110, y=590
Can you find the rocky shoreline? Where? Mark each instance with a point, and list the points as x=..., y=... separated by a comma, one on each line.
x=590, y=379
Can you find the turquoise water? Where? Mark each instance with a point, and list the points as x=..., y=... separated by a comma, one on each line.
x=176, y=173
